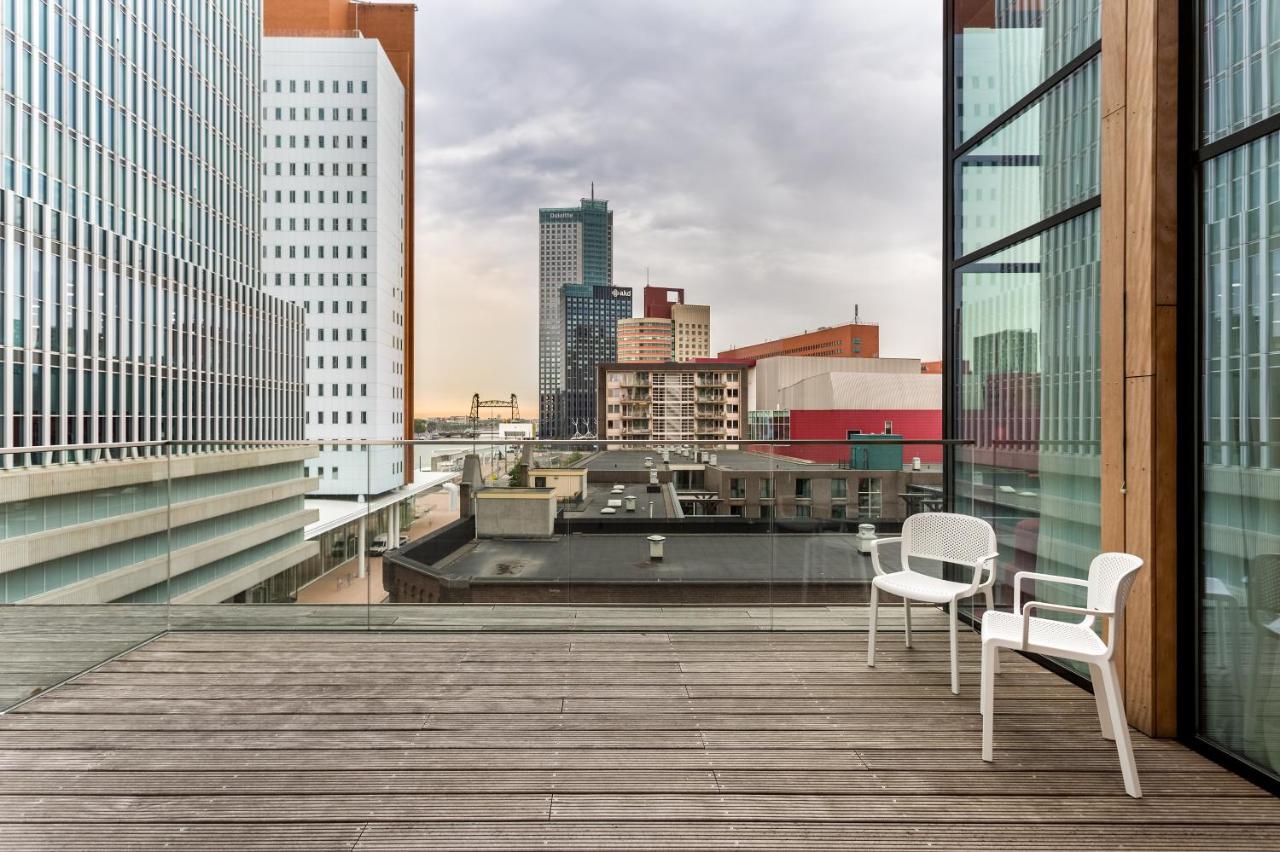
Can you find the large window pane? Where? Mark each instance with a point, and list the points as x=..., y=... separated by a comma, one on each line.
x=1027, y=348
x=1043, y=161
x=1240, y=82
x=1240, y=513
x=1004, y=50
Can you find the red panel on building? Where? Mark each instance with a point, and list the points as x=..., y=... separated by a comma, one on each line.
x=836, y=424
x=658, y=300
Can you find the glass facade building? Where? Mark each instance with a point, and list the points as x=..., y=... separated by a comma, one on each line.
x=1237, y=182
x=1023, y=282
x=1113, y=331
x=132, y=306
x=590, y=315
x=132, y=309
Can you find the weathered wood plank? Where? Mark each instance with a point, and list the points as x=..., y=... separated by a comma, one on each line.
x=607, y=741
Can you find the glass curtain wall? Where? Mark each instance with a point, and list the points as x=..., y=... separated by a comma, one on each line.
x=1238, y=290
x=1023, y=283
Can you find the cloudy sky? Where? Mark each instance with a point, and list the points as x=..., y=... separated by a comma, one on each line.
x=779, y=159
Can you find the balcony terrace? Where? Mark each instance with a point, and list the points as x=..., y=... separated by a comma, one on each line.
x=439, y=729
x=529, y=680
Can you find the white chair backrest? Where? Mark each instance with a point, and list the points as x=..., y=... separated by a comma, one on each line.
x=1111, y=575
x=1263, y=581
x=947, y=537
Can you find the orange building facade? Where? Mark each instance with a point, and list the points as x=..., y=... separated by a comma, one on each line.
x=392, y=24
x=842, y=341
x=642, y=339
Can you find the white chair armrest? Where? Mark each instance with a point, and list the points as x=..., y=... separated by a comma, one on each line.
x=980, y=565
x=1047, y=578
x=1052, y=607
x=875, y=553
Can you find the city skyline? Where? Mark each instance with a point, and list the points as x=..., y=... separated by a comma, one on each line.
x=779, y=210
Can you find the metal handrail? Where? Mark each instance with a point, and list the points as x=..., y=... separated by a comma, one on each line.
x=505, y=442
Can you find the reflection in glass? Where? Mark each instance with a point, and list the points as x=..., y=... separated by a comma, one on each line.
x=1042, y=162
x=1240, y=521
x=1004, y=50
x=1027, y=348
x=1240, y=76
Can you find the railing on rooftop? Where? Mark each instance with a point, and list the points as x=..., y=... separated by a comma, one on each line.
x=121, y=541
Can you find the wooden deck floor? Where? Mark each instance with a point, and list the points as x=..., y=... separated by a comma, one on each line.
x=711, y=741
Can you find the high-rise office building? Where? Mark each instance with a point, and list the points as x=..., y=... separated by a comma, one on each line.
x=132, y=312
x=1112, y=350
x=333, y=239
x=392, y=25
x=590, y=332
x=575, y=247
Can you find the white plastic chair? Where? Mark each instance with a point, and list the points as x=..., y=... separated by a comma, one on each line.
x=1111, y=576
x=959, y=539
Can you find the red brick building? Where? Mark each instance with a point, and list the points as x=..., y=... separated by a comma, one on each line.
x=845, y=341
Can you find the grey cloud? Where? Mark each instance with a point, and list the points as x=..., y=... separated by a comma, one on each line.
x=780, y=159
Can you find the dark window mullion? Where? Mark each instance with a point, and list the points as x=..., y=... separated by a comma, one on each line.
x=1033, y=230
x=1026, y=100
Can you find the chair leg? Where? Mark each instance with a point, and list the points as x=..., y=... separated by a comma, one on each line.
x=991, y=608
x=1120, y=727
x=1255, y=692
x=987, y=701
x=871, y=628
x=955, y=660
x=1100, y=698
x=906, y=616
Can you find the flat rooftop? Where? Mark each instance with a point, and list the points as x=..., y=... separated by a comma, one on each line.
x=600, y=493
x=633, y=460
x=624, y=558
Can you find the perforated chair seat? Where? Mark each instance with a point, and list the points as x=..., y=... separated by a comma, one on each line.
x=919, y=587
x=965, y=542
x=1105, y=591
x=1073, y=641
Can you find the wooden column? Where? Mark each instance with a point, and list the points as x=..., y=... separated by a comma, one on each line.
x=1139, y=311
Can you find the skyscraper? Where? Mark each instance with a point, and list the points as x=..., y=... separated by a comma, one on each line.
x=333, y=204
x=133, y=312
x=575, y=247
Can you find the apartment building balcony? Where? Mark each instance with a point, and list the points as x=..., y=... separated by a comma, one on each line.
x=582, y=696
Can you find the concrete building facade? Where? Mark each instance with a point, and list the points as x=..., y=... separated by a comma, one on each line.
x=333, y=207
x=691, y=331
x=672, y=402
x=392, y=25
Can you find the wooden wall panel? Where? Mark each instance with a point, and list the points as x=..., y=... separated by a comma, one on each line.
x=1139, y=378
x=1112, y=315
